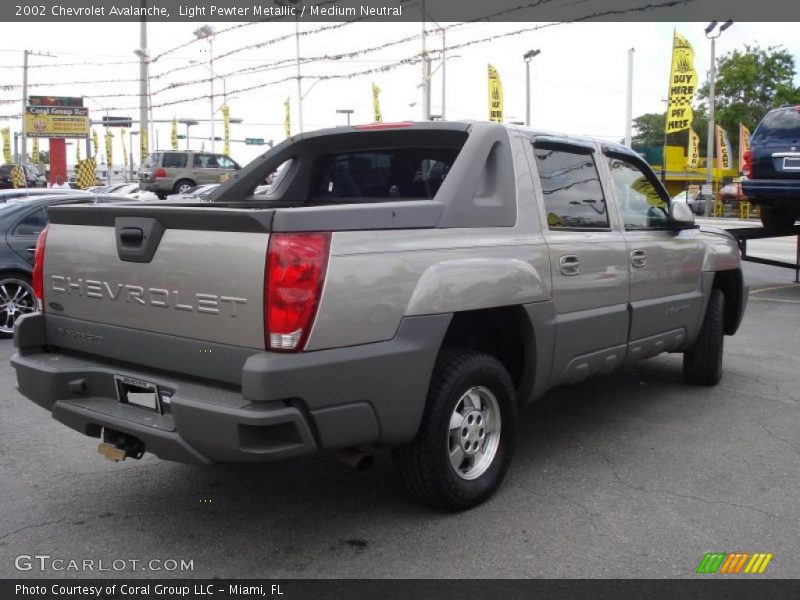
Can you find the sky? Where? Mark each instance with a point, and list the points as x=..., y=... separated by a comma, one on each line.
x=578, y=82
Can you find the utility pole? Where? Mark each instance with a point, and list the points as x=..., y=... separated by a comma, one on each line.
x=24, y=103
x=528, y=57
x=23, y=153
x=712, y=76
x=143, y=85
x=299, y=78
x=629, y=103
x=444, y=74
x=426, y=81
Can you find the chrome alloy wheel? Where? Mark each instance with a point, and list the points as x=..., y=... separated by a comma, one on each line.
x=474, y=434
x=16, y=299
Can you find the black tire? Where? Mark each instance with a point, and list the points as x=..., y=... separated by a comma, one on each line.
x=702, y=363
x=775, y=219
x=182, y=183
x=16, y=299
x=425, y=465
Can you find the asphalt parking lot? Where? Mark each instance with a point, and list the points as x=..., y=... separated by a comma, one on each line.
x=632, y=474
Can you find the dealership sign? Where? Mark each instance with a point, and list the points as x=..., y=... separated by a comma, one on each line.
x=56, y=122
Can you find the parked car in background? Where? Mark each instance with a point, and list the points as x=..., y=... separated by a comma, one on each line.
x=33, y=179
x=772, y=168
x=21, y=193
x=731, y=191
x=132, y=191
x=21, y=221
x=177, y=171
x=195, y=193
x=695, y=200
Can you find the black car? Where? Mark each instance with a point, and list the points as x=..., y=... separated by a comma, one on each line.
x=21, y=222
x=18, y=193
x=772, y=168
x=33, y=179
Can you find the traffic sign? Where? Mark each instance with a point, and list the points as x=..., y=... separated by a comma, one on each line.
x=254, y=141
x=116, y=121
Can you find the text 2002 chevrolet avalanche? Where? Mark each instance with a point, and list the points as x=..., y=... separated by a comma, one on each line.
x=402, y=285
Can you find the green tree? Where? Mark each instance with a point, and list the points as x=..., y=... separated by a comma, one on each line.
x=749, y=83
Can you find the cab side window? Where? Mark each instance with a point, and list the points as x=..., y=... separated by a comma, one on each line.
x=223, y=162
x=640, y=201
x=573, y=196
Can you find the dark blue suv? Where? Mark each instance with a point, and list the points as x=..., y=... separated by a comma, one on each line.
x=772, y=168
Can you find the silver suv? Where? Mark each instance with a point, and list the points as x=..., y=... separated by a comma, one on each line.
x=176, y=171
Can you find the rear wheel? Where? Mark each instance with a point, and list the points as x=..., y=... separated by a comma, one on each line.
x=182, y=186
x=466, y=438
x=702, y=363
x=16, y=299
x=775, y=219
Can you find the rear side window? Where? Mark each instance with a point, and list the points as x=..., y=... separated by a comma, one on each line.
x=32, y=223
x=151, y=160
x=174, y=160
x=779, y=125
x=391, y=173
x=573, y=196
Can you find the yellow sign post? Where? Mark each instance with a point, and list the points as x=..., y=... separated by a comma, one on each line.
x=682, y=85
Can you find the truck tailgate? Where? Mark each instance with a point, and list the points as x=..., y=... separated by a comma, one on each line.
x=203, y=279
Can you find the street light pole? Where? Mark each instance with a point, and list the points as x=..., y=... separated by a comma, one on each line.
x=528, y=57
x=24, y=104
x=345, y=111
x=144, y=77
x=712, y=76
x=629, y=100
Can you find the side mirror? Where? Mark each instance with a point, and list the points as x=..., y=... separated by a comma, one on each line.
x=681, y=216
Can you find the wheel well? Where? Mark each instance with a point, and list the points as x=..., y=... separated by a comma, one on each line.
x=12, y=272
x=730, y=284
x=504, y=333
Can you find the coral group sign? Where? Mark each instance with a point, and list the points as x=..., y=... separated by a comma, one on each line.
x=56, y=122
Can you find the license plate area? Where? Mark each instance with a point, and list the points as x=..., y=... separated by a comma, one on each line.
x=791, y=163
x=136, y=392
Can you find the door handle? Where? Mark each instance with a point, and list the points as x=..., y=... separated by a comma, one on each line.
x=570, y=265
x=32, y=249
x=639, y=258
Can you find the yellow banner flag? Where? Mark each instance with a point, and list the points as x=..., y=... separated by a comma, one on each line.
x=495, y=96
x=744, y=143
x=376, y=103
x=226, y=130
x=693, y=151
x=77, y=151
x=682, y=85
x=174, y=134
x=109, y=149
x=142, y=145
x=124, y=149
x=287, y=121
x=723, y=150
x=6, y=144
x=35, y=151
x=95, y=143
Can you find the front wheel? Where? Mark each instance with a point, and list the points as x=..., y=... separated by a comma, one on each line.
x=466, y=438
x=702, y=363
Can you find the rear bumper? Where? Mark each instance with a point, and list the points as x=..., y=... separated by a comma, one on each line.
x=288, y=405
x=772, y=191
x=162, y=184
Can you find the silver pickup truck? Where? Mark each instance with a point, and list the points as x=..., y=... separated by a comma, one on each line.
x=401, y=285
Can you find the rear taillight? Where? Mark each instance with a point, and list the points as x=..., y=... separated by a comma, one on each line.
x=747, y=164
x=38, y=268
x=295, y=272
x=159, y=172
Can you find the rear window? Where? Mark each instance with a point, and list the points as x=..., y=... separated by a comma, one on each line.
x=151, y=160
x=391, y=173
x=782, y=124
